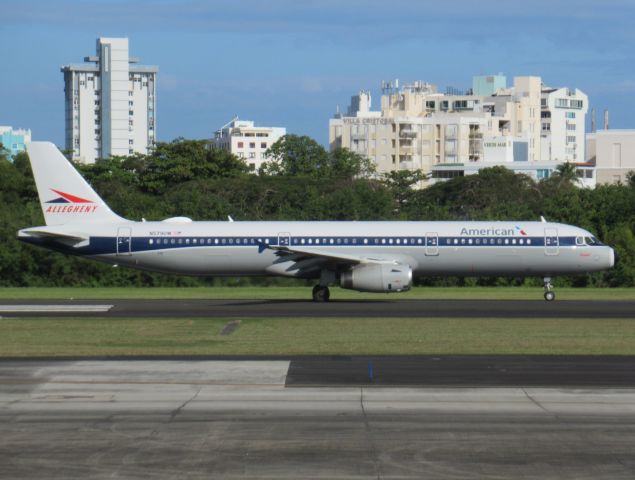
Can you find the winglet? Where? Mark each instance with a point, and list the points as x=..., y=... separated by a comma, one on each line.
x=542, y=219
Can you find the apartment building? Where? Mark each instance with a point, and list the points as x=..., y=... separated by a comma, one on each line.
x=110, y=103
x=418, y=127
x=563, y=114
x=14, y=140
x=246, y=141
x=613, y=154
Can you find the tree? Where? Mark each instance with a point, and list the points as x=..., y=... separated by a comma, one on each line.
x=295, y=155
x=565, y=174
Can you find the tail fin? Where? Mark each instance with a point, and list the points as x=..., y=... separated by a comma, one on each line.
x=64, y=194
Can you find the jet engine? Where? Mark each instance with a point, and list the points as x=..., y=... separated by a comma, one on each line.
x=377, y=278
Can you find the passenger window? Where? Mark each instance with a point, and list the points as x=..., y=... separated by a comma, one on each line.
x=365, y=241
x=150, y=241
x=507, y=241
x=478, y=241
x=529, y=241
x=419, y=241
x=187, y=241
x=456, y=241
x=469, y=241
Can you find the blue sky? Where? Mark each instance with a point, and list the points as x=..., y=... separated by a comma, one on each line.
x=290, y=62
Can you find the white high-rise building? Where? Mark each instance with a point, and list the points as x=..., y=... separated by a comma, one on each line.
x=110, y=104
x=243, y=139
x=563, y=121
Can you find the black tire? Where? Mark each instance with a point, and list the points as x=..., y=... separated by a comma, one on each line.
x=550, y=296
x=321, y=294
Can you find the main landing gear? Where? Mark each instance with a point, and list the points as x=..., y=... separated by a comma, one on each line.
x=321, y=294
x=550, y=295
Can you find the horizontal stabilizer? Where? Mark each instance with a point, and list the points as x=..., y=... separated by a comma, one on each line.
x=69, y=238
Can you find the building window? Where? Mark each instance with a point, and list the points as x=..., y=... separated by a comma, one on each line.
x=252, y=167
x=263, y=145
x=252, y=154
x=570, y=114
x=252, y=145
x=241, y=145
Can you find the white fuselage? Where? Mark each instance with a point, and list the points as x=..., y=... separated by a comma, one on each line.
x=429, y=248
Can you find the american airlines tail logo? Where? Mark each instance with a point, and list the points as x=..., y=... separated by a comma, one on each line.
x=67, y=203
x=521, y=231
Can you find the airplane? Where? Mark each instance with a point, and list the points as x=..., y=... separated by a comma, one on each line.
x=381, y=256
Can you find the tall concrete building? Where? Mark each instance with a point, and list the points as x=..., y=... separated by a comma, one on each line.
x=110, y=103
x=563, y=113
x=246, y=141
x=420, y=128
x=14, y=140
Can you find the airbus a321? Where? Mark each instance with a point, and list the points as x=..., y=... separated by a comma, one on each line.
x=363, y=256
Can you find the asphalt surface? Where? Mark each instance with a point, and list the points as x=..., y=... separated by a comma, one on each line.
x=342, y=308
x=470, y=371
x=236, y=419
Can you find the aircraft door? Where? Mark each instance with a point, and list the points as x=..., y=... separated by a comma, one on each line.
x=284, y=239
x=432, y=243
x=552, y=242
x=124, y=242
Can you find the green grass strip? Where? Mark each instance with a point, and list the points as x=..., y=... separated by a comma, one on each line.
x=314, y=336
x=303, y=293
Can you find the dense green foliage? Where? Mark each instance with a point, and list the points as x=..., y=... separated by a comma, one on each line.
x=302, y=182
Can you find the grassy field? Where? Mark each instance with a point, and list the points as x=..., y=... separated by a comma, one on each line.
x=314, y=336
x=303, y=293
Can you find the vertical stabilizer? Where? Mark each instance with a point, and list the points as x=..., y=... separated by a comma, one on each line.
x=64, y=194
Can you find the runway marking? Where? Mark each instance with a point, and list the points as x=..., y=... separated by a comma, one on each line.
x=54, y=308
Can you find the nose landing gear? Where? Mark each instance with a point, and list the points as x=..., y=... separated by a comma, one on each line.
x=550, y=295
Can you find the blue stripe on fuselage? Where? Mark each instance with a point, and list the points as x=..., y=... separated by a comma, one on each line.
x=108, y=245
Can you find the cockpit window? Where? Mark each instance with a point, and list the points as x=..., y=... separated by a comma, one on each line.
x=591, y=241
x=579, y=240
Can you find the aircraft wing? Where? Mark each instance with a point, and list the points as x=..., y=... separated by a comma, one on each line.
x=301, y=261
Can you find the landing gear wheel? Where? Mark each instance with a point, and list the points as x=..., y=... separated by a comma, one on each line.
x=550, y=295
x=321, y=294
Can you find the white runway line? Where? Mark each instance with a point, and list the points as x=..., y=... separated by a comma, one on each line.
x=54, y=308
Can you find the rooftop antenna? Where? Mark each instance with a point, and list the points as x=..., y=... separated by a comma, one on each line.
x=593, y=120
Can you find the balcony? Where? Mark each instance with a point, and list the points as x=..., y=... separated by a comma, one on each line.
x=358, y=136
x=407, y=133
x=406, y=149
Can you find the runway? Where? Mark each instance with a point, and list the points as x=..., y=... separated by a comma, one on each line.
x=237, y=419
x=342, y=308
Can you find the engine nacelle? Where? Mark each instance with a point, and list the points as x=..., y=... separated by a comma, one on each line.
x=377, y=278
